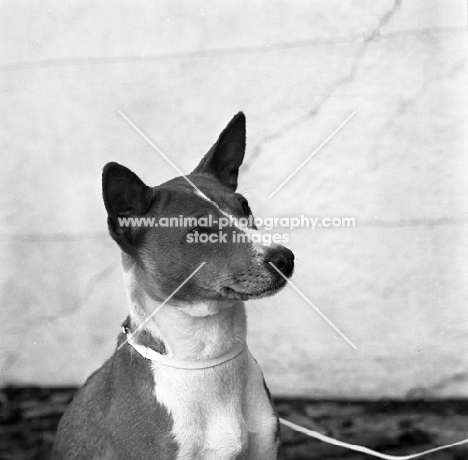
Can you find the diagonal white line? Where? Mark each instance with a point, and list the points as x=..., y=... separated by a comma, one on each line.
x=365, y=450
x=160, y=306
x=313, y=153
x=159, y=151
x=314, y=307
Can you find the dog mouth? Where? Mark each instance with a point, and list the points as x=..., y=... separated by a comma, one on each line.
x=256, y=294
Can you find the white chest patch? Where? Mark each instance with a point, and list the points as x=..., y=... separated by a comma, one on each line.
x=220, y=413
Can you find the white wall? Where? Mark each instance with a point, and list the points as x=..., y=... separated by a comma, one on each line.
x=395, y=284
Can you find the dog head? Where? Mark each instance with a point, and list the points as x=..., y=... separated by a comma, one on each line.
x=168, y=231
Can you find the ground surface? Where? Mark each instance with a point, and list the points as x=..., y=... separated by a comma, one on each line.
x=29, y=417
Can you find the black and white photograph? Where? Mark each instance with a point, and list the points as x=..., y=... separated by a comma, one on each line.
x=234, y=230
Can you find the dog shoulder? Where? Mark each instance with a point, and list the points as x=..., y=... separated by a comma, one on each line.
x=111, y=415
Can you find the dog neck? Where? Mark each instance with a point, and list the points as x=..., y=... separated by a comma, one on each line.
x=185, y=330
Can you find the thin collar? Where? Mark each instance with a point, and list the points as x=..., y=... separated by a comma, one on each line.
x=154, y=356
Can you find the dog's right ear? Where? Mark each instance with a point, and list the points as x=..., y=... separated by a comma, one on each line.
x=125, y=195
x=224, y=159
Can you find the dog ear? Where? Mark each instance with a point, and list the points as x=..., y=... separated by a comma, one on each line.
x=223, y=160
x=125, y=195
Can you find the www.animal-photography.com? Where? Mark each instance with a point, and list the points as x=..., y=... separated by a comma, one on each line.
x=234, y=230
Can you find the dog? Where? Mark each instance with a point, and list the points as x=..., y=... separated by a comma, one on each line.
x=182, y=383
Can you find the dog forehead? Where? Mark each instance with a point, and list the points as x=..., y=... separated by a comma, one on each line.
x=222, y=203
x=178, y=199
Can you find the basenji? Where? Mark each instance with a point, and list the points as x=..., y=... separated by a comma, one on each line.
x=182, y=383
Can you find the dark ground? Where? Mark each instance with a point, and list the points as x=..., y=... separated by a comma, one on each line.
x=29, y=418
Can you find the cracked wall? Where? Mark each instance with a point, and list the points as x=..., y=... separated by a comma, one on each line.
x=395, y=284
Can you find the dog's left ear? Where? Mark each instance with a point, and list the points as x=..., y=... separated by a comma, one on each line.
x=223, y=160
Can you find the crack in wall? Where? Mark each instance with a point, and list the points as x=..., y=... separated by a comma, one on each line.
x=431, y=391
x=13, y=357
x=214, y=53
x=79, y=304
x=346, y=79
x=407, y=103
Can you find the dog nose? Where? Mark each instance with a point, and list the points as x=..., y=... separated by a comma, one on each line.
x=282, y=258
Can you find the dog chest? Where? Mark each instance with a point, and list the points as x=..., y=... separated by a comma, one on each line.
x=220, y=413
